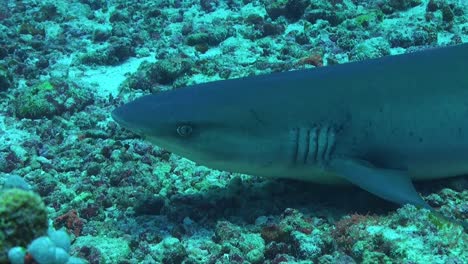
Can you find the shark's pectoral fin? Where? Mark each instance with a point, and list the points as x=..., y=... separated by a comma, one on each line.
x=391, y=185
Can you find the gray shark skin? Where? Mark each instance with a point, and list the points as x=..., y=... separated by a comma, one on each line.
x=378, y=124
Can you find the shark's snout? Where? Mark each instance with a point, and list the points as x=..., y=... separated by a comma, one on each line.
x=117, y=115
x=137, y=116
x=123, y=117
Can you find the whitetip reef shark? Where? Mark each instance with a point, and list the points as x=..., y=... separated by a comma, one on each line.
x=378, y=124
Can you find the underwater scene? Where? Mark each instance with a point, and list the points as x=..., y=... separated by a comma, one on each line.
x=233, y=131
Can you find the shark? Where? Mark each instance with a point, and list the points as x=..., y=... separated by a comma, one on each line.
x=379, y=124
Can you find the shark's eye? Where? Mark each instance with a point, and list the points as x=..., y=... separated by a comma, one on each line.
x=184, y=130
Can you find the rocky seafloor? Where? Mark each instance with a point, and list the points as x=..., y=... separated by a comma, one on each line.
x=64, y=65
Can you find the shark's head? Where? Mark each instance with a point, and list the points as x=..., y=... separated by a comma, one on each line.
x=203, y=125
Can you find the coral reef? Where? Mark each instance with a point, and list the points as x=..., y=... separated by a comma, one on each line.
x=23, y=217
x=64, y=65
x=50, y=98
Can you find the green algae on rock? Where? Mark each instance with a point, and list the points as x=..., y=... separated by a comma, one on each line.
x=165, y=72
x=50, y=98
x=6, y=78
x=23, y=217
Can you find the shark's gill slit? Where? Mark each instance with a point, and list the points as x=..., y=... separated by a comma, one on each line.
x=307, y=146
x=311, y=145
x=330, y=143
x=303, y=147
x=311, y=159
x=294, y=134
x=322, y=144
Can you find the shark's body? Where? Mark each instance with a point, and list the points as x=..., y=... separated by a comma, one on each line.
x=377, y=123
